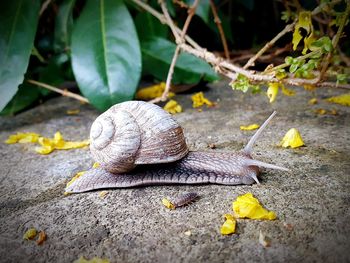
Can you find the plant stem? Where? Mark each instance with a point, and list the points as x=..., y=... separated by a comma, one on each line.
x=62, y=92
x=221, y=31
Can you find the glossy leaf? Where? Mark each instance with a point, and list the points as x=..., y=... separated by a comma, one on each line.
x=106, y=55
x=18, y=22
x=27, y=94
x=157, y=54
x=148, y=26
x=63, y=25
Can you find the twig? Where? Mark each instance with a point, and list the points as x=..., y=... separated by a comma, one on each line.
x=335, y=40
x=221, y=31
x=62, y=92
x=269, y=44
x=163, y=20
x=179, y=41
x=44, y=6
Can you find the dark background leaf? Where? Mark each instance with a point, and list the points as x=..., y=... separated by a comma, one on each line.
x=157, y=54
x=64, y=25
x=18, y=23
x=106, y=55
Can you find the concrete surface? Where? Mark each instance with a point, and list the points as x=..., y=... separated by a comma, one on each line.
x=131, y=225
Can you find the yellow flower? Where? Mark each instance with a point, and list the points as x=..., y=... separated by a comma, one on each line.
x=247, y=206
x=272, y=91
x=30, y=234
x=342, y=99
x=168, y=204
x=48, y=145
x=250, y=127
x=229, y=226
x=22, y=138
x=292, y=139
x=199, y=100
x=173, y=107
x=152, y=92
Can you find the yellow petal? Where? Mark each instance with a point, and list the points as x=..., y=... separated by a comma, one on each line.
x=272, y=91
x=313, y=101
x=286, y=91
x=247, y=206
x=152, y=92
x=292, y=139
x=229, y=226
x=250, y=127
x=96, y=165
x=75, y=177
x=173, y=107
x=73, y=112
x=44, y=149
x=43, y=141
x=27, y=137
x=103, y=194
x=93, y=260
x=304, y=22
x=168, y=204
x=72, y=145
x=321, y=111
x=199, y=100
x=30, y=234
x=342, y=99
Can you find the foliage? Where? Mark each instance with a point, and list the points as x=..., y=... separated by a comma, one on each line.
x=95, y=43
x=105, y=47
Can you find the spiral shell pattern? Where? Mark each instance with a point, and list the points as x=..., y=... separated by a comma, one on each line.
x=135, y=132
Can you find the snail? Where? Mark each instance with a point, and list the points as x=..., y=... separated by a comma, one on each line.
x=137, y=143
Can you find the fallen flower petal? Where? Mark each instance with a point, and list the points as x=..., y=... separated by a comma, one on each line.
x=168, y=204
x=313, y=101
x=341, y=99
x=292, y=139
x=229, y=226
x=199, y=100
x=75, y=177
x=152, y=92
x=286, y=91
x=272, y=91
x=73, y=112
x=247, y=206
x=30, y=234
x=172, y=107
x=20, y=137
x=41, y=238
x=95, y=165
x=249, y=127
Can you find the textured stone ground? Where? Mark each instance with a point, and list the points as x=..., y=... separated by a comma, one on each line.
x=130, y=225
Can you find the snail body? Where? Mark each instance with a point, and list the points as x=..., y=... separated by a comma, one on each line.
x=138, y=144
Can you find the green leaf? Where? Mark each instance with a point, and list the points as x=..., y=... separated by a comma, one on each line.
x=18, y=22
x=27, y=94
x=157, y=54
x=106, y=55
x=148, y=26
x=63, y=25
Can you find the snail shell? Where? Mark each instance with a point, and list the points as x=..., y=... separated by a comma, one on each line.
x=133, y=133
